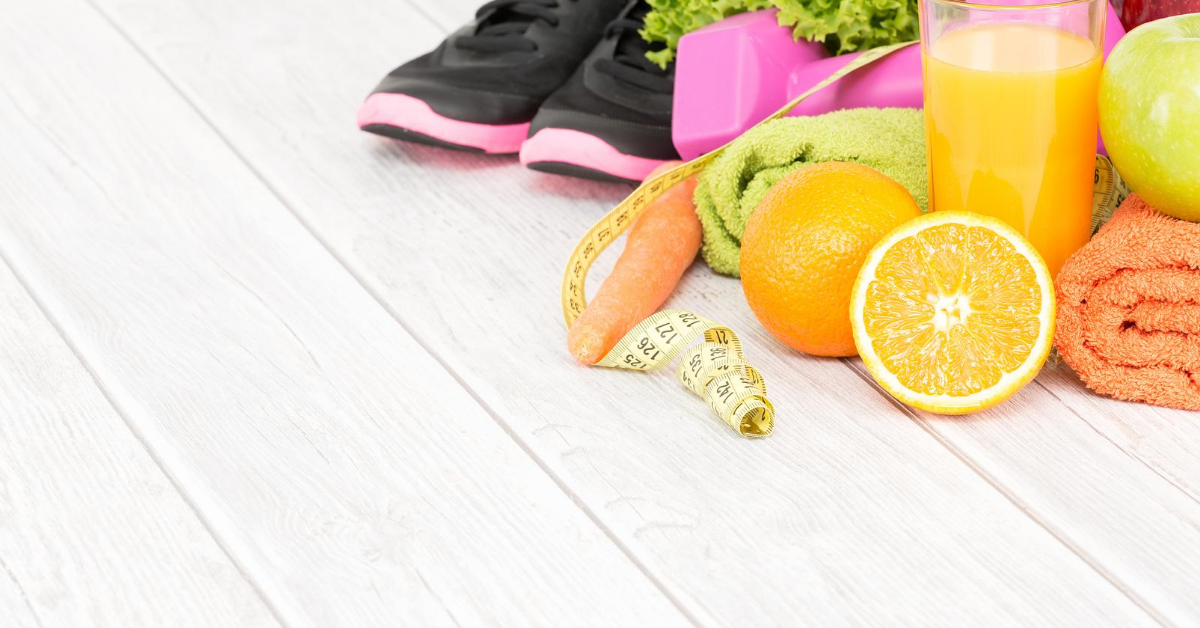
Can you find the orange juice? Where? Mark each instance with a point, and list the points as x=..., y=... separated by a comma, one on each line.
x=1010, y=112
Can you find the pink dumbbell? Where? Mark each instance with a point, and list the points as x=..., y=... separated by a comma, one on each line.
x=732, y=74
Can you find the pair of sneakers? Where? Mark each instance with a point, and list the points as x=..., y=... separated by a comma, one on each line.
x=565, y=83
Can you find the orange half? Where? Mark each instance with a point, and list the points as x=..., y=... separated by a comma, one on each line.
x=953, y=312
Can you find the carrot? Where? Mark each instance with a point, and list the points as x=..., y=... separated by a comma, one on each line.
x=660, y=247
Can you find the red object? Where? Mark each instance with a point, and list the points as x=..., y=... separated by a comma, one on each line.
x=1137, y=12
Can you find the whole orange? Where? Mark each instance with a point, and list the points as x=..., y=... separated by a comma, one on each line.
x=804, y=245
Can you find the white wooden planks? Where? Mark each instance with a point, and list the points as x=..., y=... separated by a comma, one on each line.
x=1109, y=503
x=350, y=476
x=91, y=531
x=850, y=514
x=1162, y=438
x=14, y=609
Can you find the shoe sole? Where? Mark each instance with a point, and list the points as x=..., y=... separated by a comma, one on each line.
x=579, y=172
x=567, y=151
x=402, y=117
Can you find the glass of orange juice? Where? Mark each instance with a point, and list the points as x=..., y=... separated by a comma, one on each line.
x=1010, y=114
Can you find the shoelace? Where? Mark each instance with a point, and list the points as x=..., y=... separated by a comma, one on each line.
x=629, y=62
x=509, y=19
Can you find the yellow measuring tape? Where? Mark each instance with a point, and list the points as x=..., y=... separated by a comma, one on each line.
x=614, y=223
x=715, y=370
x=1108, y=192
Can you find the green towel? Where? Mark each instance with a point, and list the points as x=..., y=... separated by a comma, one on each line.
x=891, y=141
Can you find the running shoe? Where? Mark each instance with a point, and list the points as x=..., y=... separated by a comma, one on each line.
x=612, y=119
x=480, y=88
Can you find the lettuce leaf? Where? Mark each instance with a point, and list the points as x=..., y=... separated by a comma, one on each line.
x=842, y=25
x=668, y=20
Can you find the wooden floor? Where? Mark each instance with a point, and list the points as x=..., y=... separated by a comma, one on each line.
x=260, y=369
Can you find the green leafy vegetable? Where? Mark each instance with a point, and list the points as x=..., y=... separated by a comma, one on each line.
x=842, y=25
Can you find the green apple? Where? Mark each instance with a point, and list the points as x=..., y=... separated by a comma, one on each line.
x=1150, y=113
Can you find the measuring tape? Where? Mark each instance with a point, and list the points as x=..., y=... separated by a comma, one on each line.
x=1108, y=192
x=614, y=223
x=715, y=370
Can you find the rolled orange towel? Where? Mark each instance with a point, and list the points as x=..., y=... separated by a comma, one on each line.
x=1129, y=309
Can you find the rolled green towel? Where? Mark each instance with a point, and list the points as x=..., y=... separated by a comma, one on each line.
x=891, y=141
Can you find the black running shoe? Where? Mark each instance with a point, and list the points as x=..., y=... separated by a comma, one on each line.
x=479, y=89
x=612, y=120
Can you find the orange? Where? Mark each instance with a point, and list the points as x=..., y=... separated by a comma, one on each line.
x=803, y=247
x=953, y=312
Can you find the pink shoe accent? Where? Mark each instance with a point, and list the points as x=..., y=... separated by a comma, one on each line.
x=572, y=147
x=413, y=114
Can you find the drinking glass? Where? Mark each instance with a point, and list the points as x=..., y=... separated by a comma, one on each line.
x=1010, y=114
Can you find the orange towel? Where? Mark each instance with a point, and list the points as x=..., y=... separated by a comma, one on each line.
x=1129, y=309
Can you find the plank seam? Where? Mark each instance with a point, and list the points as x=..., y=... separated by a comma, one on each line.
x=366, y=286
x=141, y=438
x=1128, y=453
x=21, y=590
x=995, y=484
x=432, y=19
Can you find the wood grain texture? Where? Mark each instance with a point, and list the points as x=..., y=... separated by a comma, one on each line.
x=449, y=15
x=91, y=531
x=15, y=611
x=345, y=470
x=852, y=514
x=1161, y=438
x=1110, y=506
